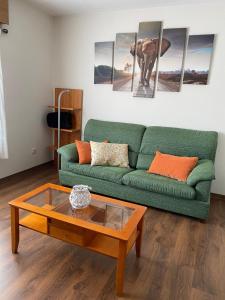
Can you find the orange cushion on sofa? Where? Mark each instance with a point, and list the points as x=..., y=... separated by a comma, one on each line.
x=84, y=151
x=176, y=167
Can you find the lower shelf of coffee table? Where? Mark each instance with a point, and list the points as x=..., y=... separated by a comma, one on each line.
x=96, y=242
x=35, y=222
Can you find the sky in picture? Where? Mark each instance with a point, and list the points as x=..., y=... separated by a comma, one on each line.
x=173, y=58
x=199, y=52
x=103, y=53
x=149, y=30
x=122, y=55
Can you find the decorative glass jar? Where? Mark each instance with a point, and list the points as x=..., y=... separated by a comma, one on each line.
x=80, y=196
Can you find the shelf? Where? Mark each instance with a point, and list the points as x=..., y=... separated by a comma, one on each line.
x=105, y=245
x=99, y=243
x=35, y=222
x=66, y=130
x=64, y=108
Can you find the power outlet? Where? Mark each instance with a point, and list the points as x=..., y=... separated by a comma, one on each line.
x=33, y=151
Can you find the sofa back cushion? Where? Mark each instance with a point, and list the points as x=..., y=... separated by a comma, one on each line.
x=176, y=141
x=115, y=132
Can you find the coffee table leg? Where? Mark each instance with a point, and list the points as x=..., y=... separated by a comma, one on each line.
x=139, y=239
x=14, y=228
x=121, y=267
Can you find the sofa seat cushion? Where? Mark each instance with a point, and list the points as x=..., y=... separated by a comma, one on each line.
x=113, y=174
x=155, y=183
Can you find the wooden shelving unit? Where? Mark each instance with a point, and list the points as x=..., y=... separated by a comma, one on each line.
x=72, y=102
x=4, y=12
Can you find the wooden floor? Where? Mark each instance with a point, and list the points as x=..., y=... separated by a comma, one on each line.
x=182, y=257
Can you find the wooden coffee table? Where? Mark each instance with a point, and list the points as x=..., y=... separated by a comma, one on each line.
x=107, y=225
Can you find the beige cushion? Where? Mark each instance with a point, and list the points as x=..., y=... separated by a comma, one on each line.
x=108, y=154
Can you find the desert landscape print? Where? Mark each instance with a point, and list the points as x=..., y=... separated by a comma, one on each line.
x=103, y=71
x=198, y=60
x=123, y=62
x=171, y=64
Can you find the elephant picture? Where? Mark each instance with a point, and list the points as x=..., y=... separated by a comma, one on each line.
x=146, y=53
x=154, y=59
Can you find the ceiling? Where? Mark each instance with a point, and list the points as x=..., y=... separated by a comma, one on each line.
x=67, y=7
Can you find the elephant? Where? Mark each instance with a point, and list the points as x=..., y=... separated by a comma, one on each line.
x=147, y=53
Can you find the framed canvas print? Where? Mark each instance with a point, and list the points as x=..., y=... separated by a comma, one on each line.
x=171, y=63
x=123, y=61
x=103, y=72
x=146, y=62
x=198, y=59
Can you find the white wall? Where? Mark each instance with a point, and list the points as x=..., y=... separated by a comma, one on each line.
x=26, y=54
x=196, y=107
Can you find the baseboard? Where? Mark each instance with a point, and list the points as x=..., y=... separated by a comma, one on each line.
x=218, y=196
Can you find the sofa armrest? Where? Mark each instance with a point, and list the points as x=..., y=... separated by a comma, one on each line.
x=202, y=189
x=204, y=171
x=69, y=152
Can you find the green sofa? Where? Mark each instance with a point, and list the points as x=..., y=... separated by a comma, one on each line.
x=135, y=184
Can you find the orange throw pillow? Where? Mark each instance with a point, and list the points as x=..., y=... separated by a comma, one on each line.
x=176, y=167
x=84, y=151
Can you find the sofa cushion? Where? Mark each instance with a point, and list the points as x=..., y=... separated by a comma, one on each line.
x=118, y=133
x=158, y=184
x=109, y=154
x=172, y=166
x=176, y=141
x=113, y=174
x=84, y=152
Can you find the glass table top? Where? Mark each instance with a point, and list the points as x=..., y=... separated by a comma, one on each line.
x=100, y=212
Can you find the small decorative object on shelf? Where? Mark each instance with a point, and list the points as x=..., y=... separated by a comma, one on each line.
x=80, y=196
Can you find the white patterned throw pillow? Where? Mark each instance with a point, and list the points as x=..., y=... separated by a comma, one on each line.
x=108, y=154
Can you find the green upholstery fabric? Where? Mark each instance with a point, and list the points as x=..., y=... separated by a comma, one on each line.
x=176, y=141
x=203, y=171
x=198, y=209
x=154, y=183
x=144, y=161
x=203, y=190
x=113, y=174
x=69, y=152
x=121, y=133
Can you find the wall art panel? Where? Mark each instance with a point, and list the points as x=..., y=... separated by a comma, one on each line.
x=123, y=62
x=146, y=53
x=171, y=64
x=103, y=72
x=198, y=60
